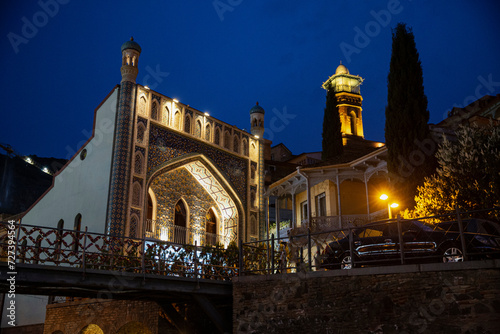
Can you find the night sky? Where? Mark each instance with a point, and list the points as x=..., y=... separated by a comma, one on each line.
x=60, y=59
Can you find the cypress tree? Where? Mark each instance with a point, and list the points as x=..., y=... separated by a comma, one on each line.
x=332, y=136
x=406, y=118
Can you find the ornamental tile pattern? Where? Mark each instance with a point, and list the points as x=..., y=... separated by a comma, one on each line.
x=120, y=169
x=165, y=145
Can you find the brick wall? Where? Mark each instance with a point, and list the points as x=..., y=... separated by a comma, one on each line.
x=109, y=315
x=464, y=298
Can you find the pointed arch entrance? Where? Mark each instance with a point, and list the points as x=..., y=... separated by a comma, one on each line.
x=209, y=210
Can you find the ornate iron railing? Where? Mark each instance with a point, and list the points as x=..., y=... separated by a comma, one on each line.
x=30, y=244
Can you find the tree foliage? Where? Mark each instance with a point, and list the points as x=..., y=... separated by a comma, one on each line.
x=468, y=175
x=332, y=135
x=406, y=117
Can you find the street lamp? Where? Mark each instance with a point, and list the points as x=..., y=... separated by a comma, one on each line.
x=390, y=205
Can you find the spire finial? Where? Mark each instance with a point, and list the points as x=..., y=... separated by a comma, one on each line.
x=257, y=103
x=132, y=39
x=341, y=62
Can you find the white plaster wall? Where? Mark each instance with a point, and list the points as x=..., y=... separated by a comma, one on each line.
x=82, y=186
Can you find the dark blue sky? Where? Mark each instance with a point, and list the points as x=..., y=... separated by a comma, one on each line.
x=222, y=56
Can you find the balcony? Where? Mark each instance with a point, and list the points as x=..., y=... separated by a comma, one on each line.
x=159, y=230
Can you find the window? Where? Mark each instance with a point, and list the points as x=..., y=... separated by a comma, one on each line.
x=236, y=144
x=227, y=140
x=140, y=133
x=142, y=105
x=321, y=205
x=166, y=115
x=217, y=137
x=177, y=120
x=245, y=148
x=138, y=164
x=132, y=230
x=353, y=123
x=154, y=111
x=136, y=195
x=207, y=132
x=303, y=211
x=187, y=124
x=197, y=130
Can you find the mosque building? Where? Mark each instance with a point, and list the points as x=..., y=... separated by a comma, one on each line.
x=157, y=168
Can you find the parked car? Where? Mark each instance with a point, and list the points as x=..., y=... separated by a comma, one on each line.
x=378, y=243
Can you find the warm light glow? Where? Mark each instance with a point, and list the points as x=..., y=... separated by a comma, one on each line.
x=45, y=170
x=28, y=160
x=257, y=136
x=384, y=197
x=146, y=87
x=176, y=101
x=394, y=205
x=206, y=114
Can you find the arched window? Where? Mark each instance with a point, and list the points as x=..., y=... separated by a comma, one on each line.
x=154, y=111
x=166, y=115
x=142, y=105
x=252, y=199
x=217, y=136
x=77, y=227
x=244, y=146
x=180, y=222
x=132, y=229
x=177, y=120
x=353, y=123
x=136, y=195
x=252, y=172
x=211, y=227
x=236, y=144
x=227, y=140
x=138, y=164
x=187, y=124
x=197, y=130
x=140, y=133
x=207, y=132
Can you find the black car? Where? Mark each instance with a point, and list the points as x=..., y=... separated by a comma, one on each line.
x=378, y=243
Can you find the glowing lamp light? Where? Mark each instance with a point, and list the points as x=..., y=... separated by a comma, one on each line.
x=146, y=87
x=257, y=136
x=206, y=114
x=394, y=205
x=28, y=160
x=176, y=101
x=384, y=197
x=45, y=170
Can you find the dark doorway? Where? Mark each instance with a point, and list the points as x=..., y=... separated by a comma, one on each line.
x=180, y=223
x=211, y=228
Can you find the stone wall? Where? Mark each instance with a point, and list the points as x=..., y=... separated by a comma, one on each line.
x=432, y=298
x=110, y=315
x=27, y=329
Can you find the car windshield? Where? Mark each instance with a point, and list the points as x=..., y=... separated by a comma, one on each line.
x=426, y=227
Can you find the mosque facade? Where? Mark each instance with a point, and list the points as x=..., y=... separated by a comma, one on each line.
x=157, y=168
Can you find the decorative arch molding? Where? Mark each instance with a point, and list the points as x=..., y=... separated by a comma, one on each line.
x=214, y=182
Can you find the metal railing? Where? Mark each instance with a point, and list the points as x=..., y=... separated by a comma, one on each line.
x=449, y=237
x=158, y=229
x=84, y=250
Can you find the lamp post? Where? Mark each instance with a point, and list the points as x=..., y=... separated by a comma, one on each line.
x=390, y=205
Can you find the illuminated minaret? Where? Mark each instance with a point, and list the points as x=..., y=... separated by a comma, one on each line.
x=120, y=166
x=348, y=100
x=257, y=120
